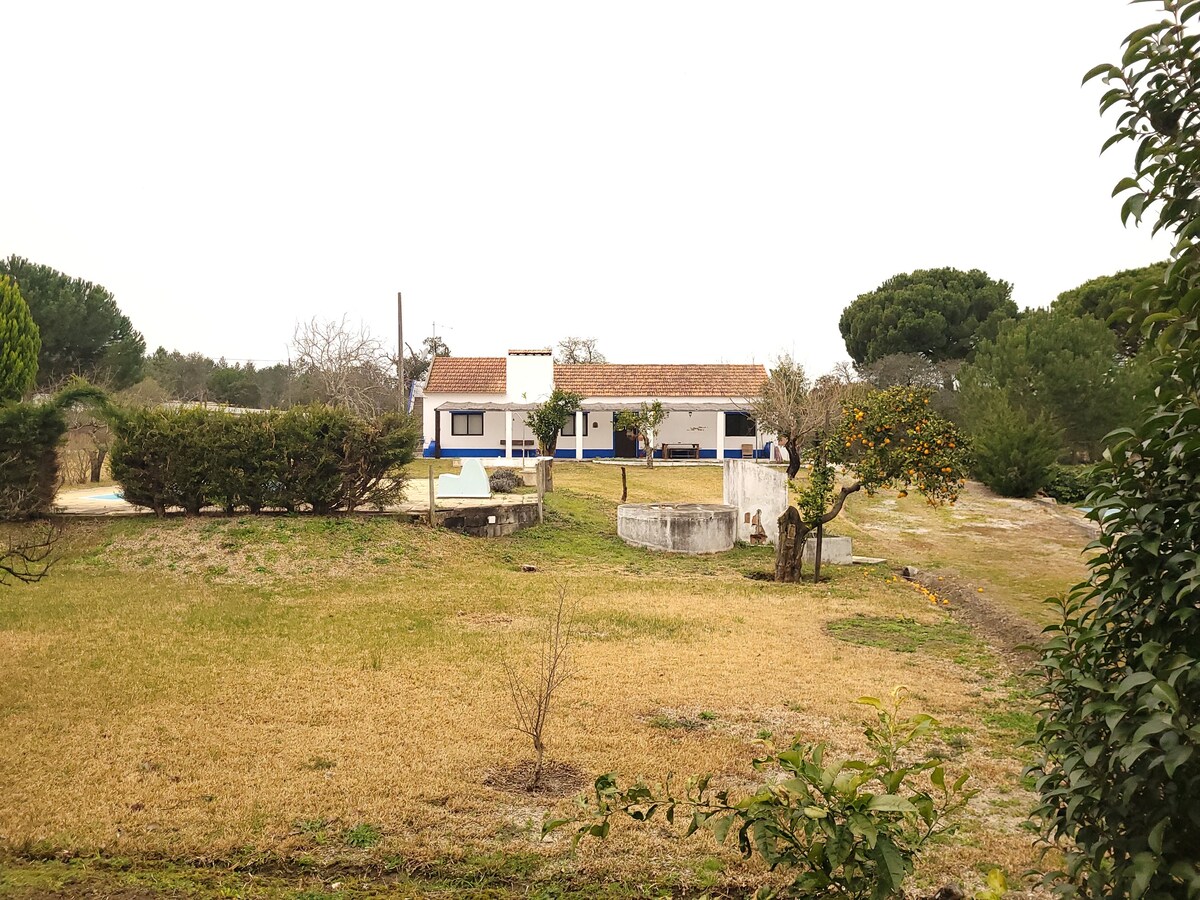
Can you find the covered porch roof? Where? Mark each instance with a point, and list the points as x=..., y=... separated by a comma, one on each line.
x=590, y=406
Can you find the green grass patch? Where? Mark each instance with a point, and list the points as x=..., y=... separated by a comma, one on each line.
x=363, y=836
x=904, y=635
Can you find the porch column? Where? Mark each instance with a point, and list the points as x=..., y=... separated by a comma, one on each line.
x=579, y=434
x=720, y=434
x=508, y=434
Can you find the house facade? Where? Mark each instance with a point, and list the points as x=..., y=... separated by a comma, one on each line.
x=476, y=406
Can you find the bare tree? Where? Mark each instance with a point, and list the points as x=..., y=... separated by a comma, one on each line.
x=24, y=558
x=644, y=422
x=574, y=351
x=532, y=693
x=350, y=367
x=907, y=369
x=27, y=560
x=797, y=408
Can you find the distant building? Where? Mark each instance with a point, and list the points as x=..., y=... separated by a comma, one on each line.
x=476, y=406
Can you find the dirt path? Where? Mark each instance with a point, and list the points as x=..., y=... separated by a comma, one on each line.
x=1009, y=632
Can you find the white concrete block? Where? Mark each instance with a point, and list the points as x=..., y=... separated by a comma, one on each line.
x=759, y=494
x=835, y=551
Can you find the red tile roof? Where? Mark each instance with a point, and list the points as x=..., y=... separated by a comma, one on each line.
x=467, y=375
x=486, y=375
x=616, y=380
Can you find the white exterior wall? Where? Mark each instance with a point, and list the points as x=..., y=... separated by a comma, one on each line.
x=699, y=426
x=681, y=426
x=493, y=422
x=598, y=438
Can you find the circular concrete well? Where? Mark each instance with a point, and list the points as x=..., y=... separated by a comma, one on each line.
x=678, y=527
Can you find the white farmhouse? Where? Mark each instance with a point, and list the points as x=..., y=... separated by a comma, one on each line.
x=476, y=406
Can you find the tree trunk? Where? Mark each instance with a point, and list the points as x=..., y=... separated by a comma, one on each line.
x=817, y=557
x=624, y=486
x=97, y=460
x=794, y=531
x=793, y=459
x=649, y=452
x=535, y=780
x=789, y=552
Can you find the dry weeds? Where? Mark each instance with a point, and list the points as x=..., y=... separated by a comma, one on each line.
x=153, y=705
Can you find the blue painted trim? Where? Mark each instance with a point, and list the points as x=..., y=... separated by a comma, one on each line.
x=560, y=453
x=481, y=452
x=430, y=449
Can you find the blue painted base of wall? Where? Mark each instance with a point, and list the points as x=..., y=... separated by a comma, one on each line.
x=560, y=453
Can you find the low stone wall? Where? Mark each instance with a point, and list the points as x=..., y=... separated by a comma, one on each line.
x=678, y=527
x=489, y=521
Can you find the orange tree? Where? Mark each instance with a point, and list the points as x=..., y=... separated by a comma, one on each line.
x=889, y=439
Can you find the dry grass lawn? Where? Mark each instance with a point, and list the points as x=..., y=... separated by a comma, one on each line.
x=325, y=693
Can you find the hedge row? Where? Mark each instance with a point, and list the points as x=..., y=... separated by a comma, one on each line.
x=316, y=458
x=29, y=439
x=30, y=434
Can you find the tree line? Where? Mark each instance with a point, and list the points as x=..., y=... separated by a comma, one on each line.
x=1033, y=388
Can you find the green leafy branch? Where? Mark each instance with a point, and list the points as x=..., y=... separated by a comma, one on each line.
x=847, y=828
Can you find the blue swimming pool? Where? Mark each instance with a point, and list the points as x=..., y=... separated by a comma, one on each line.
x=115, y=495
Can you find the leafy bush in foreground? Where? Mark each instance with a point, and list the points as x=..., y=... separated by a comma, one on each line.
x=849, y=828
x=1119, y=720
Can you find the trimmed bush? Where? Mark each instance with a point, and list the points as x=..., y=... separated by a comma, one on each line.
x=29, y=438
x=505, y=481
x=30, y=435
x=1070, y=484
x=313, y=457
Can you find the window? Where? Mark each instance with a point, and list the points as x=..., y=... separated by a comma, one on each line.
x=739, y=424
x=569, y=428
x=466, y=423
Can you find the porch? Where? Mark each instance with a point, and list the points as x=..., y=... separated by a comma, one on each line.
x=710, y=431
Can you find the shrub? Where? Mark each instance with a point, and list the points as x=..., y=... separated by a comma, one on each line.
x=847, y=828
x=1070, y=484
x=318, y=457
x=373, y=453
x=29, y=438
x=20, y=342
x=505, y=481
x=30, y=434
x=1014, y=453
x=1119, y=769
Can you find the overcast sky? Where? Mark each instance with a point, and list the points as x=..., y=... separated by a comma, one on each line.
x=685, y=181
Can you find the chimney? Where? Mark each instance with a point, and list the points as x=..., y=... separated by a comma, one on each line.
x=530, y=375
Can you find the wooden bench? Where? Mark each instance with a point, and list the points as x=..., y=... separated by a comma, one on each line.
x=680, y=451
x=522, y=448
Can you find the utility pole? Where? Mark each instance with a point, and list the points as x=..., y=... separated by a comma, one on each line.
x=400, y=351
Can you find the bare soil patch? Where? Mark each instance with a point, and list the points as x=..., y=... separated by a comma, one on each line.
x=559, y=779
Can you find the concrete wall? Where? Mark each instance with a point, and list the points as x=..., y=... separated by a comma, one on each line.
x=490, y=521
x=754, y=489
